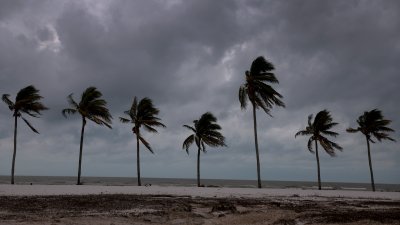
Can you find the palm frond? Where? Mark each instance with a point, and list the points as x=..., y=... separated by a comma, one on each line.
x=309, y=120
x=372, y=123
x=352, y=130
x=36, y=115
x=188, y=142
x=149, y=128
x=260, y=103
x=92, y=107
x=326, y=146
x=72, y=102
x=336, y=146
x=124, y=120
x=133, y=109
x=90, y=94
x=329, y=146
x=243, y=96
x=329, y=133
x=207, y=118
x=267, y=77
x=143, y=114
x=7, y=100
x=153, y=122
x=260, y=65
x=309, y=144
x=260, y=94
x=203, y=147
x=145, y=143
x=214, y=141
x=382, y=136
x=384, y=129
x=29, y=125
x=206, y=132
x=28, y=93
x=321, y=125
x=190, y=128
x=28, y=101
x=68, y=111
x=302, y=133
x=99, y=121
x=328, y=126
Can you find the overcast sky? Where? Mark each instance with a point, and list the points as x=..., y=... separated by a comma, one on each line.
x=190, y=58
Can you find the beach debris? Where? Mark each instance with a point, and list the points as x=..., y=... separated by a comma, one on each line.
x=224, y=206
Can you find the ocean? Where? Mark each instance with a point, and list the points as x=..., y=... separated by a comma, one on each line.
x=131, y=181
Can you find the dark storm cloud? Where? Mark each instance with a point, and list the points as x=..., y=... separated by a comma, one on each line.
x=349, y=49
x=147, y=56
x=190, y=57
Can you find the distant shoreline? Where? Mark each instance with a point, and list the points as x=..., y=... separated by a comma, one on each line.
x=206, y=192
x=187, y=182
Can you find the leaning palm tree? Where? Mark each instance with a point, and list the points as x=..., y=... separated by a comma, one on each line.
x=142, y=114
x=321, y=126
x=371, y=124
x=260, y=94
x=206, y=132
x=91, y=107
x=26, y=102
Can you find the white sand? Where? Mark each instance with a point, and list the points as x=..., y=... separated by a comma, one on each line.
x=31, y=190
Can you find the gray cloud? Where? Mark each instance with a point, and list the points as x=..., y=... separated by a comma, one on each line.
x=190, y=57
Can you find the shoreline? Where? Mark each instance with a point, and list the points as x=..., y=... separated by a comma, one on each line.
x=204, y=192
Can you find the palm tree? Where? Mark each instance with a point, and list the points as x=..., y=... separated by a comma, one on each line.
x=371, y=124
x=91, y=107
x=206, y=132
x=321, y=126
x=142, y=114
x=260, y=94
x=26, y=102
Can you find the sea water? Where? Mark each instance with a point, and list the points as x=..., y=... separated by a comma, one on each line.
x=132, y=181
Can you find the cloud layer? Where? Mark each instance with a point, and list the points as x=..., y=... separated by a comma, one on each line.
x=190, y=57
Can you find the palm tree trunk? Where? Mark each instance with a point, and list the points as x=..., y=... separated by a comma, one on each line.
x=370, y=166
x=80, y=151
x=138, y=159
x=319, y=173
x=15, y=149
x=198, y=167
x=256, y=143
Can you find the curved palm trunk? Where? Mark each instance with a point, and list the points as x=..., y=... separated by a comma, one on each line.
x=198, y=167
x=256, y=143
x=319, y=173
x=80, y=151
x=370, y=166
x=15, y=150
x=138, y=160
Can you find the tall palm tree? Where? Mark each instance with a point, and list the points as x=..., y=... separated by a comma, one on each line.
x=321, y=126
x=371, y=124
x=26, y=102
x=260, y=94
x=206, y=132
x=91, y=107
x=142, y=114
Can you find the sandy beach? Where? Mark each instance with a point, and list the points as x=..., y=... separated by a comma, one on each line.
x=71, y=204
